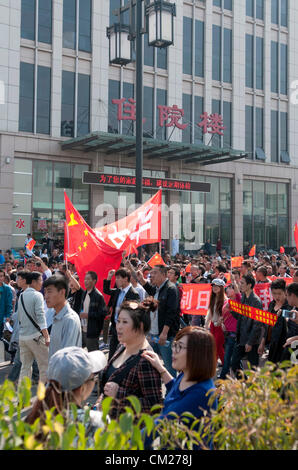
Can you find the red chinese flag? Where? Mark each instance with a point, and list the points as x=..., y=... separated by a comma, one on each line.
x=296, y=235
x=281, y=250
x=141, y=227
x=187, y=269
x=236, y=261
x=31, y=244
x=156, y=259
x=85, y=250
x=252, y=251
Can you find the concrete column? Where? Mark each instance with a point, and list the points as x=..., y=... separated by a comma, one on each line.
x=6, y=189
x=57, y=68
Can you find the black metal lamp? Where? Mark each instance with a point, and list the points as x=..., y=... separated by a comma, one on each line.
x=160, y=23
x=119, y=44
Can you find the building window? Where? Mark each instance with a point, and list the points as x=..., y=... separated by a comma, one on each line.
x=28, y=20
x=187, y=45
x=211, y=215
x=22, y=201
x=274, y=67
x=77, y=22
x=283, y=69
x=279, y=67
x=35, y=119
x=221, y=65
x=279, y=12
x=225, y=110
x=161, y=99
x=254, y=76
x=153, y=54
x=265, y=215
x=199, y=109
x=249, y=131
x=255, y=9
x=75, y=104
x=226, y=4
x=148, y=126
x=254, y=133
x=187, y=119
x=274, y=136
x=191, y=50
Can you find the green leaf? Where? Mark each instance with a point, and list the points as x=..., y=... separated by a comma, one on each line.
x=135, y=404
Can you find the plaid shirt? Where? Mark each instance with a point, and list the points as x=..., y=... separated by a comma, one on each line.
x=143, y=381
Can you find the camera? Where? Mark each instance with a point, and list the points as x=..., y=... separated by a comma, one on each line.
x=289, y=314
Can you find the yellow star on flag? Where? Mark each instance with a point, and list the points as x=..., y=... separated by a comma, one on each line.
x=85, y=245
x=80, y=248
x=72, y=220
x=86, y=232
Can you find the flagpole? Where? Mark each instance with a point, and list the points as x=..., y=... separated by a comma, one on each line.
x=67, y=236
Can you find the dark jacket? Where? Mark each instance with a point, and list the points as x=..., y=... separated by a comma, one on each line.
x=168, y=307
x=249, y=331
x=114, y=292
x=96, y=314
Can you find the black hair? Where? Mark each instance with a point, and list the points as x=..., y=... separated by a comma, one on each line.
x=93, y=275
x=293, y=288
x=163, y=269
x=124, y=273
x=278, y=284
x=176, y=270
x=139, y=312
x=32, y=276
x=58, y=281
x=22, y=274
x=249, y=279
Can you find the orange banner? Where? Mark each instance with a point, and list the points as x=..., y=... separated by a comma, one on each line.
x=254, y=313
x=195, y=299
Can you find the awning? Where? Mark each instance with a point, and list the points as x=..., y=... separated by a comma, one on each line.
x=152, y=148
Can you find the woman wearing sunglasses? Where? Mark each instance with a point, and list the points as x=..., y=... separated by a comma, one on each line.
x=194, y=356
x=128, y=372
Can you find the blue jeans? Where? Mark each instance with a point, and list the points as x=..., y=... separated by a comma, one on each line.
x=166, y=353
x=229, y=349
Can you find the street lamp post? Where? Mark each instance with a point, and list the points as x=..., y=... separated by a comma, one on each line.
x=159, y=22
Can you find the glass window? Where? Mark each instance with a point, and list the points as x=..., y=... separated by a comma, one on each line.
x=283, y=132
x=199, y=48
x=216, y=52
x=26, y=105
x=274, y=136
x=83, y=104
x=161, y=99
x=28, y=19
x=274, y=11
x=62, y=180
x=22, y=183
x=45, y=21
x=187, y=45
x=85, y=26
x=274, y=67
x=259, y=128
x=114, y=92
x=199, y=109
x=227, y=120
x=249, y=78
x=128, y=92
x=43, y=100
x=284, y=13
x=225, y=212
x=247, y=214
x=22, y=202
x=148, y=52
x=69, y=24
x=162, y=58
x=249, y=130
x=250, y=8
x=259, y=63
x=80, y=196
x=259, y=213
x=148, y=112
x=68, y=103
x=217, y=3
x=114, y=5
x=283, y=69
x=271, y=215
x=227, y=59
x=227, y=4
x=216, y=138
x=42, y=184
x=283, y=217
x=187, y=119
x=260, y=9
x=212, y=211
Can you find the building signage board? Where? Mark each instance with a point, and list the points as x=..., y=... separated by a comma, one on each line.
x=90, y=177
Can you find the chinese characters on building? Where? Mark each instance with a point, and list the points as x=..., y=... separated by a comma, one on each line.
x=170, y=116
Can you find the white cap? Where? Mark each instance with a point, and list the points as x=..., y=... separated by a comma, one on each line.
x=218, y=282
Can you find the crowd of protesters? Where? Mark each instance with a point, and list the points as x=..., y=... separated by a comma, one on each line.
x=46, y=313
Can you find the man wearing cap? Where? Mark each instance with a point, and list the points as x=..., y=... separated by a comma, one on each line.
x=66, y=327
